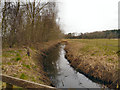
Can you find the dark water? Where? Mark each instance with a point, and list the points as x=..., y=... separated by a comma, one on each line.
x=62, y=74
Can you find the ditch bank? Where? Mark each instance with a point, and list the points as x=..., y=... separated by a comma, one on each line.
x=96, y=71
x=61, y=73
x=27, y=62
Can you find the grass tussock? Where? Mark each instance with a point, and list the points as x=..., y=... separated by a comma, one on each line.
x=94, y=57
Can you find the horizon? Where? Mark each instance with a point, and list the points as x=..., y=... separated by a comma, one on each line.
x=91, y=31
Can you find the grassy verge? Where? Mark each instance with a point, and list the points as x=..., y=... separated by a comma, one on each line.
x=16, y=62
x=96, y=58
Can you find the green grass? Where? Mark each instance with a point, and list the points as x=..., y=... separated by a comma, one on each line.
x=23, y=76
x=32, y=48
x=108, y=46
x=6, y=54
x=27, y=66
x=17, y=54
x=11, y=51
x=33, y=79
x=16, y=63
x=18, y=58
x=20, y=51
x=9, y=63
x=99, y=49
x=98, y=56
x=35, y=66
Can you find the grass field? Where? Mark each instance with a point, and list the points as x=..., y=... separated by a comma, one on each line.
x=96, y=57
x=108, y=46
x=97, y=47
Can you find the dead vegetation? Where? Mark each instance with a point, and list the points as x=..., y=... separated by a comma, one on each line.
x=93, y=60
x=17, y=63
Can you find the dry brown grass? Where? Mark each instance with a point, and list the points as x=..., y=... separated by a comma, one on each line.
x=93, y=59
x=16, y=62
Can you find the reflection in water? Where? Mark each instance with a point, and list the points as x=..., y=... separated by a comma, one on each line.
x=50, y=63
x=62, y=74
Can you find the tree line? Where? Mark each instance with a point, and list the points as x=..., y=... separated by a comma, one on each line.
x=108, y=34
x=26, y=23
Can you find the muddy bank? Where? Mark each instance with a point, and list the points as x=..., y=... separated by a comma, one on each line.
x=17, y=63
x=90, y=66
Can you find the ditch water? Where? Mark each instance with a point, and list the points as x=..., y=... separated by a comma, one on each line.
x=62, y=75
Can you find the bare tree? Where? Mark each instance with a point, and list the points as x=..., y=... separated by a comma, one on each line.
x=28, y=23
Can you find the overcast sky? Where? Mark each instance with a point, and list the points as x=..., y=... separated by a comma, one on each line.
x=88, y=15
